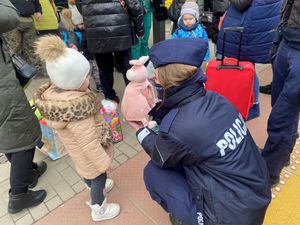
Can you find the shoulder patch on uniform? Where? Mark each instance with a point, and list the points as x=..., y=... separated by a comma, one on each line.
x=168, y=120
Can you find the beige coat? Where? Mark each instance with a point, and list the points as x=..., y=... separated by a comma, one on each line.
x=75, y=115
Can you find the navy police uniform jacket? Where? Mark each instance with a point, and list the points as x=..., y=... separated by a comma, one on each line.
x=203, y=133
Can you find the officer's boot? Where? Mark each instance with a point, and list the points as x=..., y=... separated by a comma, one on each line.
x=22, y=201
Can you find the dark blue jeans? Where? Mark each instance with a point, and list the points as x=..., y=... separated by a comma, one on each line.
x=284, y=117
x=97, y=185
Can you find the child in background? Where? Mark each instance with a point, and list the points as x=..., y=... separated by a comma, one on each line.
x=74, y=111
x=189, y=26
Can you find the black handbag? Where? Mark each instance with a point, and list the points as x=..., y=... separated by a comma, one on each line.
x=24, y=71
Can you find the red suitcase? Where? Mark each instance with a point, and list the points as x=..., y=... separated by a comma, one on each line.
x=232, y=78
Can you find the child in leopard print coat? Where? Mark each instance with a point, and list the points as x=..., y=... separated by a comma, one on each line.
x=74, y=111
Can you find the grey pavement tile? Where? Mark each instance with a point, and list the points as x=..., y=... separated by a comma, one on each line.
x=128, y=130
x=138, y=147
x=70, y=176
x=4, y=186
x=118, y=144
x=4, y=196
x=26, y=220
x=6, y=220
x=127, y=150
x=39, y=211
x=53, y=177
x=117, y=152
x=3, y=207
x=115, y=164
x=19, y=215
x=132, y=141
x=79, y=186
x=61, y=165
x=4, y=171
x=121, y=158
x=70, y=162
x=64, y=191
x=54, y=203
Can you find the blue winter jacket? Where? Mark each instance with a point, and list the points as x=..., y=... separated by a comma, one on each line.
x=259, y=20
x=203, y=133
x=195, y=32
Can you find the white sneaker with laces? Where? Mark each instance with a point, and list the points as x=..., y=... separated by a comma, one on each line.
x=104, y=212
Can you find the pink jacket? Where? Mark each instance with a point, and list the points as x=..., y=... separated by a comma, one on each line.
x=76, y=117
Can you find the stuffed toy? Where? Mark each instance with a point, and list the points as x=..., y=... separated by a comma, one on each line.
x=138, y=97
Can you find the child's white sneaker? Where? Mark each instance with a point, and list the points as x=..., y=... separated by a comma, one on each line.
x=109, y=184
x=104, y=212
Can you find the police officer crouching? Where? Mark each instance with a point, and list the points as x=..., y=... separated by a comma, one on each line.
x=205, y=167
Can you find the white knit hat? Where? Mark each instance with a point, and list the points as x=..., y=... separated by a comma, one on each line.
x=66, y=67
x=190, y=8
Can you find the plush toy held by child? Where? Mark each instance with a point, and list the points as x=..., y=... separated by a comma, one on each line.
x=74, y=111
x=189, y=25
x=138, y=97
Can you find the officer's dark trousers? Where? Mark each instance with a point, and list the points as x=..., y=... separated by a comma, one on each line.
x=284, y=117
x=169, y=188
x=105, y=64
x=20, y=170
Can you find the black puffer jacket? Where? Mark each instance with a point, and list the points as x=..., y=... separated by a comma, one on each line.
x=108, y=25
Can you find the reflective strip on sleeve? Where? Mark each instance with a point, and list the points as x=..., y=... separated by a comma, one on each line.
x=144, y=133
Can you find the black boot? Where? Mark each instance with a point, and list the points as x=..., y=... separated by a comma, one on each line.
x=22, y=201
x=174, y=221
x=36, y=173
x=267, y=89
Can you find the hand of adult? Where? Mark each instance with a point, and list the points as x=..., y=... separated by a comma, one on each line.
x=38, y=16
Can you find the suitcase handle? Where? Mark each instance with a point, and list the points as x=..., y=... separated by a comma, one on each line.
x=237, y=66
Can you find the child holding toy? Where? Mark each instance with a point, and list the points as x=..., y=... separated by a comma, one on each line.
x=74, y=111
